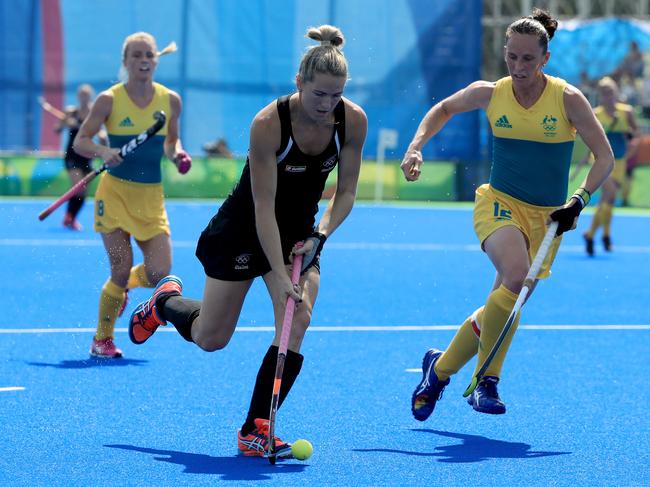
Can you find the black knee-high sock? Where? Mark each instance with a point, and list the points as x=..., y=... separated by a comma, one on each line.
x=261, y=400
x=180, y=312
x=75, y=204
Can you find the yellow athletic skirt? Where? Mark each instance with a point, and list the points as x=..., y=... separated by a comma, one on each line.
x=136, y=208
x=494, y=209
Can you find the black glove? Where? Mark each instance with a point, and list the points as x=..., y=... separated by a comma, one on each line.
x=566, y=215
x=309, y=259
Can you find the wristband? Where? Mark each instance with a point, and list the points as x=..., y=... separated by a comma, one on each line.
x=310, y=257
x=583, y=196
x=320, y=236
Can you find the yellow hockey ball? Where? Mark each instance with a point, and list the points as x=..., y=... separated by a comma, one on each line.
x=301, y=449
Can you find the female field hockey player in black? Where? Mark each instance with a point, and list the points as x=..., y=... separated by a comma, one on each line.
x=76, y=165
x=534, y=118
x=295, y=143
x=129, y=201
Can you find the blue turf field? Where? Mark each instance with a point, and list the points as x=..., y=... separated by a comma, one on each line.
x=395, y=281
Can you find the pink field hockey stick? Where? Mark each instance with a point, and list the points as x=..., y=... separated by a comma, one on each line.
x=126, y=149
x=282, y=355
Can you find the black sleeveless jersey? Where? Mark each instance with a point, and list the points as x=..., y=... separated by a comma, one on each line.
x=70, y=154
x=300, y=182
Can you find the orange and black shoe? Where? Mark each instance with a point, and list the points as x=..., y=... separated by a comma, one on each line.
x=256, y=443
x=145, y=319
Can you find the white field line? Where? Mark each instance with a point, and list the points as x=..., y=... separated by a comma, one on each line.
x=10, y=389
x=363, y=246
x=213, y=204
x=257, y=329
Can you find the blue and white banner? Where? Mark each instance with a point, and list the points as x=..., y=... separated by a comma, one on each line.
x=595, y=46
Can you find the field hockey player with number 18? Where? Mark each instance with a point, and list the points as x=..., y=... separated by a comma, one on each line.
x=129, y=203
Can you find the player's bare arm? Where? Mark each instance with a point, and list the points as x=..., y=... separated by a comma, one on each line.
x=582, y=116
x=474, y=96
x=264, y=142
x=348, y=171
x=172, y=141
x=83, y=142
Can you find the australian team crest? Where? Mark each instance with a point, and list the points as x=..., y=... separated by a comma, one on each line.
x=549, y=124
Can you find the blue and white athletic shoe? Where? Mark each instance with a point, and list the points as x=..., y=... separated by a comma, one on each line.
x=429, y=390
x=485, y=398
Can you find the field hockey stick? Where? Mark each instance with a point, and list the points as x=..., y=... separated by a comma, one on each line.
x=521, y=299
x=282, y=355
x=51, y=110
x=125, y=150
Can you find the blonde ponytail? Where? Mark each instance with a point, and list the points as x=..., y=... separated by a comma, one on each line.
x=168, y=49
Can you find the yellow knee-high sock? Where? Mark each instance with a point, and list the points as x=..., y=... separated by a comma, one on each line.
x=110, y=303
x=461, y=349
x=606, y=217
x=596, y=221
x=495, y=314
x=138, y=277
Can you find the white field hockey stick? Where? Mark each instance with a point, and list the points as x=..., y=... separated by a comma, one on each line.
x=521, y=299
x=51, y=110
x=125, y=150
x=282, y=355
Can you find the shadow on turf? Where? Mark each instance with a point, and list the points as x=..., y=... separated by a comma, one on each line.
x=236, y=467
x=91, y=362
x=473, y=448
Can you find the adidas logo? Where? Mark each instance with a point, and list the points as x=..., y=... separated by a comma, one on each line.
x=503, y=122
x=126, y=122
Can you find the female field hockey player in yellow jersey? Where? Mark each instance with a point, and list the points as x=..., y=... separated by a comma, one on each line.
x=534, y=119
x=619, y=123
x=129, y=199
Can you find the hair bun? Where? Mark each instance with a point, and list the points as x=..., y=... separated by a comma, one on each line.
x=544, y=18
x=328, y=35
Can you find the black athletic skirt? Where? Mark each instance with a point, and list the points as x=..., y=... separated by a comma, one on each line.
x=75, y=161
x=231, y=251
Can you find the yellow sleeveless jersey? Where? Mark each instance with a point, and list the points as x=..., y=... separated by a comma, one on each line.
x=128, y=120
x=532, y=147
x=615, y=127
